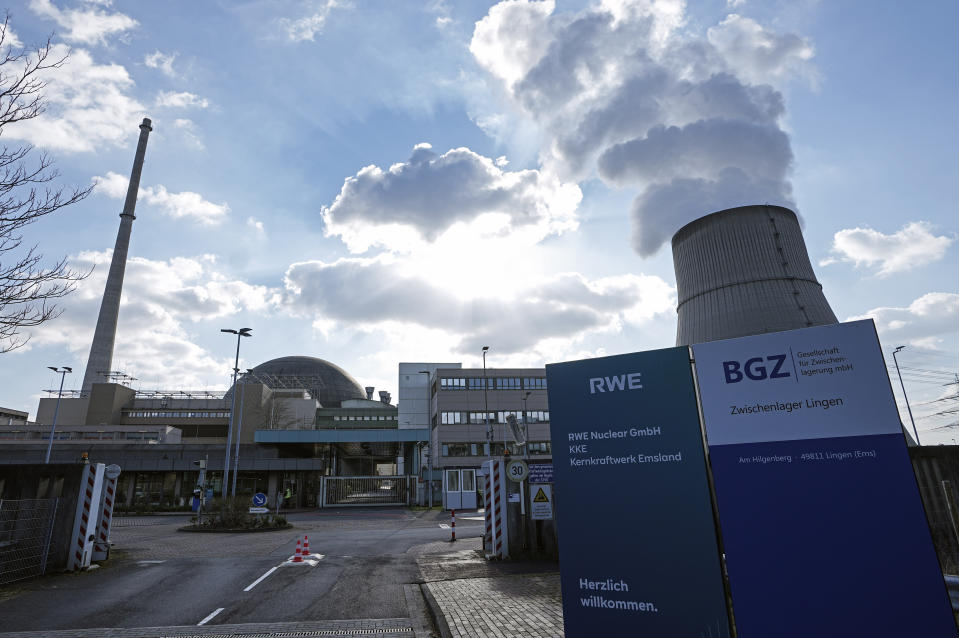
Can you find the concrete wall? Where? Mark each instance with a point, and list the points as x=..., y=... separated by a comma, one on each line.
x=413, y=398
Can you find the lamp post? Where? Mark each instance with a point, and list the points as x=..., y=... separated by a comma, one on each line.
x=53, y=428
x=489, y=428
x=239, y=431
x=906, y=397
x=526, y=425
x=242, y=332
x=429, y=428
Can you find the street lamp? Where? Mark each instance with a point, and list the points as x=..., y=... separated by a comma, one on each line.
x=53, y=428
x=429, y=428
x=526, y=425
x=242, y=332
x=489, y=428
x=914, y=430
x=239, y=431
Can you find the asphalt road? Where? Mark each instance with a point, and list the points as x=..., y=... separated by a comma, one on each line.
x=161, y=577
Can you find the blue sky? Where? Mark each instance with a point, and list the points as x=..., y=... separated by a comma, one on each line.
x=380, y=182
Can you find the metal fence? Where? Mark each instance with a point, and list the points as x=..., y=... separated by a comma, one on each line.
x=26, y=529
x=339, y=491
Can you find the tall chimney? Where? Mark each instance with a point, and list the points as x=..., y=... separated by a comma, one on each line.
x=100, y=360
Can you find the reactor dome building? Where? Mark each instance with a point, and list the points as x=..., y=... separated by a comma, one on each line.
x=326, y=382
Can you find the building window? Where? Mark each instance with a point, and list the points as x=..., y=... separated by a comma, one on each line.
x=534, y=383
x=501, y=416
x=452, y=418
x=508, y=383
x=538, y=416
x=498, y=449
x=539, y=447
x=452, y=383
x=480, y=417
x=456, y=449
x=476, y=383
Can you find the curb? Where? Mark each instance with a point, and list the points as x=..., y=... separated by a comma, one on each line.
x=252, y=530
x=439, y=620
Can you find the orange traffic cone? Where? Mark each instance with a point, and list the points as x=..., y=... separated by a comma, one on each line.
x=298, y=556
x=306, y=545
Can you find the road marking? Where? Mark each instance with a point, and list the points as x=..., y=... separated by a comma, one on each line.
x=210, y=617
x=260, y=579
x=444, y=526
x=141, y=563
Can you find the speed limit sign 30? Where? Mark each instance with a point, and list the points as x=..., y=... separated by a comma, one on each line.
x=517, y=470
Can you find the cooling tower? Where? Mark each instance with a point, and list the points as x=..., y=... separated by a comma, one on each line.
x=745, y=271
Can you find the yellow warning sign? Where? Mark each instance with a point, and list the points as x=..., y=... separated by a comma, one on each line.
x=541, y=508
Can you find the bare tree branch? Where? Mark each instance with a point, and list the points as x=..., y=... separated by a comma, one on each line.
x=28, y=289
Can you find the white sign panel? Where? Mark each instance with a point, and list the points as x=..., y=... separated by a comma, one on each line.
x=819, y=382
x=541, y=502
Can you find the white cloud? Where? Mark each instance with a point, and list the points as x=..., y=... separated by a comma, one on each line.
x=760, y=55
x=429, y=194
x=912, y=246
x=380, y=292
x=181, y=100
x=256, y=225
x=185, y=204
x=923, y=323
x=621, y=90
x=732, y=4
x=307, y=27
x=164, y=303
x=113, y=185
x=85, y=26
x=189, y=131
x=88, y=106
x=161, y=61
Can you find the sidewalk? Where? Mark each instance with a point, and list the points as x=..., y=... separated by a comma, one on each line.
x=471, y=597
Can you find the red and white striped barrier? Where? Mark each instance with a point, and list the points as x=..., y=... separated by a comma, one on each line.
x=101, y=546
x=453, y=526
x=496, y=509
x=87, y=514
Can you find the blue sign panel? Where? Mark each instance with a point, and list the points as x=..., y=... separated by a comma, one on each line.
x=259, y=499
x=823, y=528
x=637, y=542
x=540, y=473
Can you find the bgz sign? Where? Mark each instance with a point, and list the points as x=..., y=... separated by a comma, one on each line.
x=755, y=369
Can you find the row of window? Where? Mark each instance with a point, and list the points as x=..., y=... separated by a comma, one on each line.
x=66, y=435
x=493, y=383
x=153, y=414
x=458, y=417
x=361, y=418
x=481, y=449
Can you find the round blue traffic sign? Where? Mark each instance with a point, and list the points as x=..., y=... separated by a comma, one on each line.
x=259, y=499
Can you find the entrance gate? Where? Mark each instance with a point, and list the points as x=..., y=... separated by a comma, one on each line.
x=347, y=491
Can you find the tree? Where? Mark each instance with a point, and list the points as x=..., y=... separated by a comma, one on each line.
x=28, y=288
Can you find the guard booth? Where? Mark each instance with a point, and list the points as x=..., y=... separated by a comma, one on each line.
x=459, y=489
